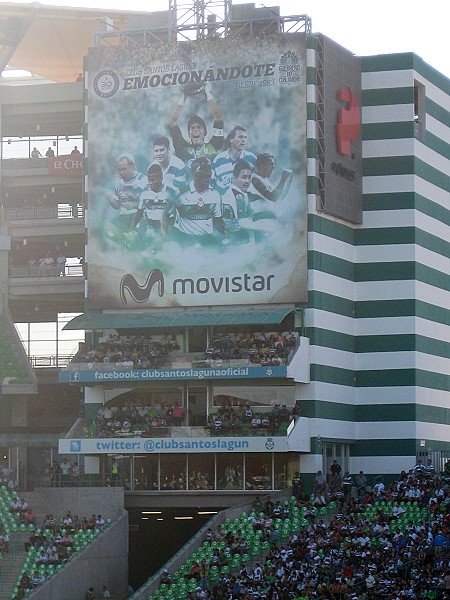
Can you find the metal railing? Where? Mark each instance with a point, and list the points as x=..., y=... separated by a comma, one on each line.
x=60, y=211
x=83, y=480
x=46, y=271
x=54, y=360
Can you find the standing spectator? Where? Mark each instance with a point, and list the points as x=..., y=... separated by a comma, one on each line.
x=45, y=264
x=105, y=592
x=429, y=469
x=75, y=473
x=335, y=469
x=90, y=594
x=61, y=264
x=296, y=483
x=35, y=153
x=115, y=473
x=319, y=488
x=75, y=150
x=50, y=153
x=65, y=470
x=361, y=483
x=419, y=468
x=347, y=483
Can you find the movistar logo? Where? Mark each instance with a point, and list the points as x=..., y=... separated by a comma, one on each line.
x=141, y=293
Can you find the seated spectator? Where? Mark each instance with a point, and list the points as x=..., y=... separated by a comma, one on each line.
x=53, y=557
x=100, y=522
x=41, y=558
x=36, y=579
x=30, y=517
x=15, y=506
x=255, y=423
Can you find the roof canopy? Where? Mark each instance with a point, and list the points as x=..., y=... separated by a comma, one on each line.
x=179, y=318
x=52, y=41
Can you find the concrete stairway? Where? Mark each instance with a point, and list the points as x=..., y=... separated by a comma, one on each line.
x=11, y=564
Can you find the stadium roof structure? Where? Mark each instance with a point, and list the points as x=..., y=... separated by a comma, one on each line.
x=51, y=41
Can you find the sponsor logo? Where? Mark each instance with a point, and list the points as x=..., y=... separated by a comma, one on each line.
x=141, y=293
x=75, y=445
x=289, y=68
x=74, y=376
x=106, y=84
x=348, y=128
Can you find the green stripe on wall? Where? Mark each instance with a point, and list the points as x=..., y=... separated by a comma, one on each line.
x=389, y=201
x=327, y=338
x=311, y=185
x=387, y=271
x=405, y=165
x=432, y=175
x=438, y=112
x=330, y=264
x=330, y=228
x=432, y=313
x=408, y=342
x=328, y=374
x=402, y=377
x=377, y=236
x=385, y=236
x=371, y=309
x=390, y=165
x=388, y=96
x=311, y=111
x=327, y=410
x=311, y=41
x=380, y=377
x=311, y=76
x=403, y=130
x=433, y=209
x=328, y=302
x=387, y=131
x=432, y=242
x=373, y=447
x=404, y=201
x=438, y=381
x=432, y=277
x=432, y=414
x=387, y=62
x=437, y=144
x=376, y=413
x=402, y=61
x=311, y=148
x=385, y=343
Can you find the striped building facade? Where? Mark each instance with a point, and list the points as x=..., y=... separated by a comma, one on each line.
x=378, y=316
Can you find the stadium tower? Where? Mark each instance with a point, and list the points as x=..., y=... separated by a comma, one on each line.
x=196, y=344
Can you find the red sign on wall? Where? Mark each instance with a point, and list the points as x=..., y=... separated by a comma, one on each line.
x=66, y=165
x=349, y=121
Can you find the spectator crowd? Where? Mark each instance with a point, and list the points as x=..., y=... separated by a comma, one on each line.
x=383, y=542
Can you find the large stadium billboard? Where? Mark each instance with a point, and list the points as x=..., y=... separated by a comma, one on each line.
x=196, y=173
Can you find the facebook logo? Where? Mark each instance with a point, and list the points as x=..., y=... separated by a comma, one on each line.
x=75, y=446
x=75, y=376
